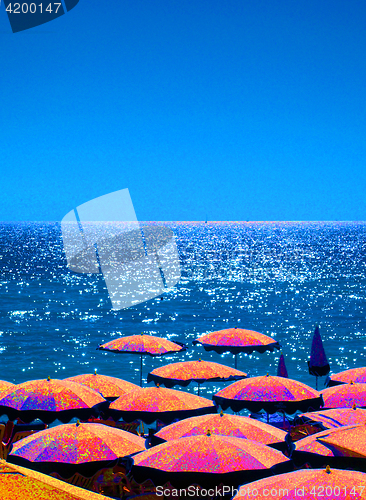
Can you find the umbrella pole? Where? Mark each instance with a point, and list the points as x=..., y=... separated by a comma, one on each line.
x=141, y=370
x=198, y=393
x=236, y=361
x=316, y=382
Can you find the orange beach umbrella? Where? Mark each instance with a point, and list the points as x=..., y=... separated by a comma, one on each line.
x=143, y=345
x=268, y=393
x=226, y=425
x=199, y=371
x=356, y=375
x=237, y=340
x=108, y=387
x=345, y=396
x=50, y=399
x=21, y=483
x=308, y=485
x=152, y=403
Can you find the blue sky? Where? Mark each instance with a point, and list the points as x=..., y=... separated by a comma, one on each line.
x=230, y=110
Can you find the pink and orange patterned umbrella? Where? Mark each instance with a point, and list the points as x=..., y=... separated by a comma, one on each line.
x=185, y=372
x=237, y=340
x=143, y=345
x=152, y=403
x=308, y=485
x=345, y=396
x=20, y=483
x=108, y=387
x=311, y=444
x=226, y=425
x=76, y=444
x=5, y=386
x=347, y=441
x=356, y=375
x=208, y=459
x=268, y=393
x=337, y=417
x=337, y=447
x=50, y=399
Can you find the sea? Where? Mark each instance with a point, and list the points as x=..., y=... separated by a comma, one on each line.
x=277, y=278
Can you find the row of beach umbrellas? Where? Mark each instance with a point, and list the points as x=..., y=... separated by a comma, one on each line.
x=52, y=399
x=203, y=447
x=234, y=340
x=183, y=443
x=183, y=447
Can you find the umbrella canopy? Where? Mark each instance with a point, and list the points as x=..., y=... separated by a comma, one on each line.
x=318, y=450
x=318, y=363
x=226, y=425
x=347, y=441
x=152, y=403
x=24, y=484
x=143, y=345
x=199, y=371
x=237, y=340
x=268, y=393
x=345, y=396
x=281, y=369
x=308, y=484
x=108, y=387
x=50, y=399
x=337, y=417
x=311, y=444
x=357, y=375
x=206, y=459
x=75, y=444
x=5, y=386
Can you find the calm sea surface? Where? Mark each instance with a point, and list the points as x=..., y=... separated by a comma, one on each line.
x=280, y=279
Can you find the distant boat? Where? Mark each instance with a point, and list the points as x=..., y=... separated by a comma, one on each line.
x=318, y=363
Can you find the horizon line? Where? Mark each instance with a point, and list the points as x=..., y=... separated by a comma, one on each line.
x=198, y=221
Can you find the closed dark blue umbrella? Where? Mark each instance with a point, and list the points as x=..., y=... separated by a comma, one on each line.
x=281, y=369
x=318, y=363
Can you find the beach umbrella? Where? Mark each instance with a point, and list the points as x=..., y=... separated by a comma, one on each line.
x=50, y=399
x=310, y=450
x=5, y=386
x=281, y=369
x=21, y=483
x=318, y=449
x=308, y=485
x=349, y=441
x=344, y=396
x=208, y=459
x=81, y=447
x=268, y=393
x=236, y=340
x=318, y=363
x=185, y=372
x=109, y=387
x=226, y=425
x=337, y=417
x=152, y=403
x=356, y=375
x=143, y=345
